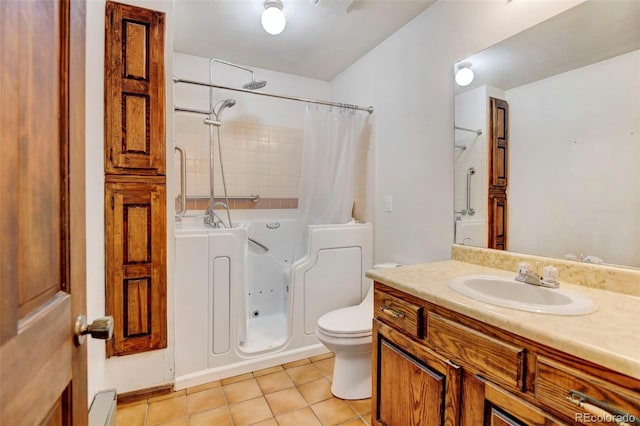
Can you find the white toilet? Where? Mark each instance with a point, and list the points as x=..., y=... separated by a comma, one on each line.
x=347, y=333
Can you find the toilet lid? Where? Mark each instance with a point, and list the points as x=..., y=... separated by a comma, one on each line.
x=351, y=320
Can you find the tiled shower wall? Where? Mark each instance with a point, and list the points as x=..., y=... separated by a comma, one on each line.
x=257, y=160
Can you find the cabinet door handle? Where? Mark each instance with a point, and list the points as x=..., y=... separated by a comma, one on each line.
x=391, y=311
x=601, y=409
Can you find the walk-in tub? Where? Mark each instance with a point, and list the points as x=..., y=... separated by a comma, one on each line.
x=240, y=308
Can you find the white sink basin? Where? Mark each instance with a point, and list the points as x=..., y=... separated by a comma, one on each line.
x=508, y=292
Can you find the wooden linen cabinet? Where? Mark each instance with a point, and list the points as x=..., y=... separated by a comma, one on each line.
x=498, y=141
x=135, y=181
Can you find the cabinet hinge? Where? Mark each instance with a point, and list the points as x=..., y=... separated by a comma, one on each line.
x=111, y=155
x=113, y=203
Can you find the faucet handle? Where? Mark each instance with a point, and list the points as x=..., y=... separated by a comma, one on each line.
x=523, y=268
x=550, y=273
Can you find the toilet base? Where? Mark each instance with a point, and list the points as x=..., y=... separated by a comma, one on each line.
x=352, y=376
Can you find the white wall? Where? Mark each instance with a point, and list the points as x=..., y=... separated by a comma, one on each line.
x=151, y=368
x=573, y=163
x=409, y=80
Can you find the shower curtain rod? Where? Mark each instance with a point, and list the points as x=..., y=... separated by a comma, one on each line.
x=291, y=98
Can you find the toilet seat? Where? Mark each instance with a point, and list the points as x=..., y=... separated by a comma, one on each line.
x=350, y=322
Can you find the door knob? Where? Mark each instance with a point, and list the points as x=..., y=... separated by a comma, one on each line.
x=100, y=328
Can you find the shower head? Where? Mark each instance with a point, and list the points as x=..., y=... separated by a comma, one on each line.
x=254, y=85
x=220, y=106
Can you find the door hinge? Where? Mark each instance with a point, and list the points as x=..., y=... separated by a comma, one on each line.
x=111, y=155
x=113, y=203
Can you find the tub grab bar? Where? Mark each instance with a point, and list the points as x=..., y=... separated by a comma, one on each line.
x=253, y=197
x=477, y=132
x=470, y=172
x=262, y=246
x=191, y=110
x=183, y=180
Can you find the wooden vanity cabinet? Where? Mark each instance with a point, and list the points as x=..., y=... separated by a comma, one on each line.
x=433, y=366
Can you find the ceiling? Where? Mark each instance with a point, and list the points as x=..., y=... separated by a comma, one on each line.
x=585, y=34
x=319, y=41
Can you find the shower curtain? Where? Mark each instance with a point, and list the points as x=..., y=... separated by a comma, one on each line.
x=331, y=139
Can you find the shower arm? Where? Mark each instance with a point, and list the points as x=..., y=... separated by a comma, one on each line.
x=369, y=109
x=220, y=61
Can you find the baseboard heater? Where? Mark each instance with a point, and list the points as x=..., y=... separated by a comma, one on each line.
x=103, y=408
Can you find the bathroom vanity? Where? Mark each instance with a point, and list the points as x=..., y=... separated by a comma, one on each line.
x=441, y=358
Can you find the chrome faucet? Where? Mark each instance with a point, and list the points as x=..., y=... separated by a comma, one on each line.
x=211, y=218
x=526, y=275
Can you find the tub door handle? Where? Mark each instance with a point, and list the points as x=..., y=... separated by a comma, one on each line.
x=392, y=312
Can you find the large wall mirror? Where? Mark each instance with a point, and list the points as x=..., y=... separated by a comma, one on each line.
x=547, y=139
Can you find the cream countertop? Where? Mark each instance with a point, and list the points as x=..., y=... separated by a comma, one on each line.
x=609, y=337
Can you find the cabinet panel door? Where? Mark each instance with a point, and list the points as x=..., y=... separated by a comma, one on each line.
x=497, y=220
x=410, y=393
x=412, y=385
x=134, y=91
x=135, y=261
x=498, y=143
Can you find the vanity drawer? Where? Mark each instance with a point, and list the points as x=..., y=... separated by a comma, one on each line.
x=398, y=313
x=494, y=359
x=553, y=384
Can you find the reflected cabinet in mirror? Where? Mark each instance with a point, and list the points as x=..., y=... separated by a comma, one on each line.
x=547, y=139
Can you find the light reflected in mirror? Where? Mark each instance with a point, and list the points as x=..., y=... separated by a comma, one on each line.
x=555, y=170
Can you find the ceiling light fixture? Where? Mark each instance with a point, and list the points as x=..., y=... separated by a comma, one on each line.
x=464, y=74
x=273, y=20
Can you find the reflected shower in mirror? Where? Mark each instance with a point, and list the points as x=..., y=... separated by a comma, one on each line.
x=557, y=161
